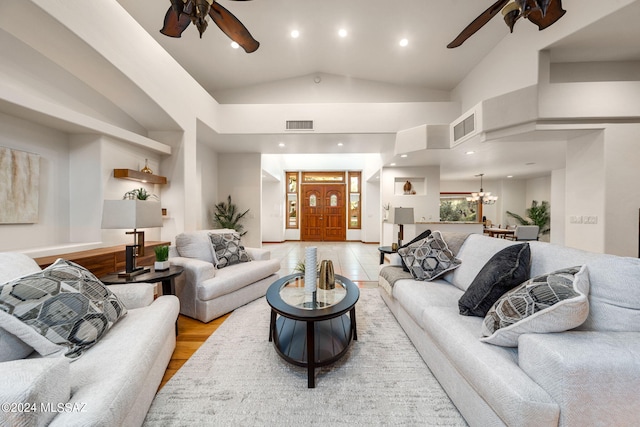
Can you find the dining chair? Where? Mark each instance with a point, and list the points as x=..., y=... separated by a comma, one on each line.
x=526, y=232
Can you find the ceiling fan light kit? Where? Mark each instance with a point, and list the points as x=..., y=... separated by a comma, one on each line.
x=543, y=13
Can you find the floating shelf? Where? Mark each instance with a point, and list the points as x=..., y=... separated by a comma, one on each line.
x=139, y=176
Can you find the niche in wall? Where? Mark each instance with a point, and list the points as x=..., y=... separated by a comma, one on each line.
x=418, y=186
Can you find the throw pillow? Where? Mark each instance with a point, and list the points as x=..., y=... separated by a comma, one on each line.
x=421, y=236
x=429, y=258
x=504, y=271
x=63, y=309
x=228, y=249
x=553, y=302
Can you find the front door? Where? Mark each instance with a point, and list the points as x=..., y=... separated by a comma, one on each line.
x=323, y=216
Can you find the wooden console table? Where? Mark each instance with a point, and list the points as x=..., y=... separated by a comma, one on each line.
x=103, y=261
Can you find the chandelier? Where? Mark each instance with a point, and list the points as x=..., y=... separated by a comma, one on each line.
x=483, y=197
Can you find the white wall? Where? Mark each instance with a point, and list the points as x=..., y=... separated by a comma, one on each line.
x=239, y=175
x=558, y=205
x=207, y=180
x=425, y=206
x=53, y=203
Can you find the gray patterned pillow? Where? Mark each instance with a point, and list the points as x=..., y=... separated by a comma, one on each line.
x=63, y=309
x=429, y=258
x=553, y=302
x=228, y=249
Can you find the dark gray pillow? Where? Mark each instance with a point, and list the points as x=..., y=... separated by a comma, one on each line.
x=503, y=272
x=228, y=249
x=421, y=236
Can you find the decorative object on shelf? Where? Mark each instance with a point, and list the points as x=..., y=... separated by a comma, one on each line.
x=146, y=168
x=19, y=186
x=483, y=197
x=162, y=258
x=183, y=12
x=538, y=214
x=134, y=175
x=326, y=279
x=123, y=214
x=407, y=187
x=402, y=216
x=139, y=194
x=226, y=215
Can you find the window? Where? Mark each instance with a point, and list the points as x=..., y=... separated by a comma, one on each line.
x=354, y=200
x=455, y=207
x=292, y=199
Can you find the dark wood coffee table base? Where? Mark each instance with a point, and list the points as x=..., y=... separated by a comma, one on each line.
x=326, y=340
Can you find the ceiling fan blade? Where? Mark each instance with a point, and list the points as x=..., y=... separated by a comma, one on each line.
x=233, y=28
x=554, y=12
x=175, y=23
x=478, y=23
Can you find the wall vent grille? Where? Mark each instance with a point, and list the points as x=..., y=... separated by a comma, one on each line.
x=299, y=125
x=464, y=128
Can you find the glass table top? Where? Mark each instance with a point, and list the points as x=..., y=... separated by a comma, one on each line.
x=294, y=294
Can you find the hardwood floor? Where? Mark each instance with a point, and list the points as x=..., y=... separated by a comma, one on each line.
x=191, y=334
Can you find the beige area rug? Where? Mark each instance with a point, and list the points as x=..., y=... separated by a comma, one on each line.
x=236, y=378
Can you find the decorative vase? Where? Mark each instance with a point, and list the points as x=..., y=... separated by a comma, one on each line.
x=146, y=168
x=407, y=187
x=327, y=279
x=161, y=265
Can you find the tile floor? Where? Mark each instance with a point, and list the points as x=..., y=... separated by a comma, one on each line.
x=356, y=261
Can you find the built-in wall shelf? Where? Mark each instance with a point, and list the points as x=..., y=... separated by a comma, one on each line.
x=134, y=175
x=418, y=186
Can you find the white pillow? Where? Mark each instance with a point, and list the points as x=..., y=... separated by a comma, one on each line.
x=553, y=302
x=12, y=348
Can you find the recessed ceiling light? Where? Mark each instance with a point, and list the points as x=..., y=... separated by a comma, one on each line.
x=404, y=156
x=509, y=176
x=392, y=164
x=404, y=42
x=295, y=34
x=281, y=144
x=470, y=152
x=342, y=32
x=235, y=45
x=340, y=144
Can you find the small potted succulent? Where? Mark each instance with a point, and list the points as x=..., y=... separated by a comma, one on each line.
x=162, y=258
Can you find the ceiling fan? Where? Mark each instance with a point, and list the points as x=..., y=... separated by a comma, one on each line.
x=183, y=12
x=543, y=13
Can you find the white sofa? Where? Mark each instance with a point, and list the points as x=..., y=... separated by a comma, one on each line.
x=111, y=384
x=589, y=376
x=206, y=292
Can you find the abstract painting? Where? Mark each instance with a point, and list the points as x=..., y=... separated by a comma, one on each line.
x=19, y=184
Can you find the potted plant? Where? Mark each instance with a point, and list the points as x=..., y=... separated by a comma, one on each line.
x=537, y=214
x=226, y=215
x=162, y=258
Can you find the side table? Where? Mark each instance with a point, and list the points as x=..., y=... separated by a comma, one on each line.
x=385, y=250
x=166, y=277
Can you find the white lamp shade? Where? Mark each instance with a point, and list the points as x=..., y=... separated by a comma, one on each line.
x=403, y=216
x=127, y=214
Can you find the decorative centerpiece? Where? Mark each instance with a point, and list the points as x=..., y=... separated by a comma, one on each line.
x=326, y=279
x=162, y=258
x=407, y=187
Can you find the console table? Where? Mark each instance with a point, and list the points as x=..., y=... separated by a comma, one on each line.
x=103, y=261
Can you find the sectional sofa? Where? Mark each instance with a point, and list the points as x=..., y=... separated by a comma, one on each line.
x=586, y=376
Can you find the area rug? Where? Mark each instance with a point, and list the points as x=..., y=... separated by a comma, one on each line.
x=236, y=378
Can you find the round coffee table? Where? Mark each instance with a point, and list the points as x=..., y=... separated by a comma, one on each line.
x=321, y=324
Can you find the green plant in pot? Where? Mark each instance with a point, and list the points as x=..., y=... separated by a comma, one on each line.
x=227, y=215
x=139, y=194
x=162, y=258
x=537, y=214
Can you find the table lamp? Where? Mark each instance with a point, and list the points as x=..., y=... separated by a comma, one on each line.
x=402, y=216
x=122, y=214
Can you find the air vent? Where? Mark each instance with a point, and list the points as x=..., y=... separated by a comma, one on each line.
x=466, y=126
x=299, y=125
